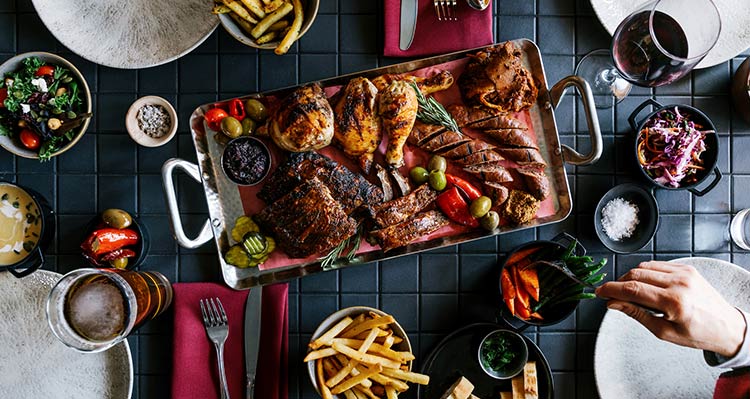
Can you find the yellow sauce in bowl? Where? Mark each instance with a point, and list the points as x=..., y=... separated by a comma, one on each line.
x=20, y=224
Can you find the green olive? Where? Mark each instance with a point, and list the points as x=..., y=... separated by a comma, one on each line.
x=437, y=163
x=419, y=175
x=256, y=110
x=480, y=206
x=437, y=180
x=248, y=126
x=119, y=263
x=117, y=218
x=490, y=221
x=231, y=127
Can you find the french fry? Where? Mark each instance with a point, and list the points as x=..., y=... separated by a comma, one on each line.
x=293, y=33
x=357, y=321
x=358, y=393
x=324, y=391
x=244, y=25
x=270, y=19
x=278, y=26
x=272, y=6
x=398, y=385
x=329, y=335
x=266, y=1
x=364, y=357
x=382, y=335
x=388, y=343
x=220, y=9
x=369, y=340
x=352, y=382
x=266, y=38
x=390, y=392
x=416, y=378
x=319, y=354
x=350, y=394
x=342, y=373
x=240, y=11
x=401, y=357
x=255, y=7
x=369, y=324
x=368, y=392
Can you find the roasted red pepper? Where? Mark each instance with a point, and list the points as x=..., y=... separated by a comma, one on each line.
x=467, y=188
x=213, y=118
x=237, y=109
x=106, y=240
x=456, y=208
x=117, y=254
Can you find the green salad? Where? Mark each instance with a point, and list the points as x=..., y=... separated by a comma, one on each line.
x=41, y=106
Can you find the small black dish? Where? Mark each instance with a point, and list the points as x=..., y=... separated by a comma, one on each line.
x=710, y=156
x=246, y=161
x=648, y=217
x=141, y=249
x=516, y=343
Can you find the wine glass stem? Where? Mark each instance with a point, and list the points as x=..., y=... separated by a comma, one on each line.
x=608, y=76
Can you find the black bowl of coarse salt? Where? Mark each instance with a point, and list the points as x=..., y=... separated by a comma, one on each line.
x=246, y=161
x=626, y=218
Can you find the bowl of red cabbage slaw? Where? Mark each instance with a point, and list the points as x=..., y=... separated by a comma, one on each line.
x=676, y=147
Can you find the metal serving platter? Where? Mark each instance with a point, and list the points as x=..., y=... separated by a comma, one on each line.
x=223, y=198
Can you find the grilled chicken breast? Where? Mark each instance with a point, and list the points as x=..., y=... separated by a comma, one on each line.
x=303, y=121
x=398, y=110
x=357, y=125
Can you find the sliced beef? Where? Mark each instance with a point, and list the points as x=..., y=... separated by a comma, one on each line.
x=511, y=138
x=497, y=193
x=537, y=182
x=409, y=230
x=398, y=210
x=522, y=155
x=479, y=158
x=466, y=149
x=492, y=172
x=444, y=140
x=422, y=132
x=500, y=122
x=307, y=221
x=468, y=116
x=349, y=188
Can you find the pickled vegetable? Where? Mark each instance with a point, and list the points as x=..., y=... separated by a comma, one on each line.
x=248, y=126
x=236, y=256
x=480, y=206
x=419, y=175
x=437, y=180
x=490, y=221
x=231, y=127
x=437, y=163
x=256, y=110
x=242, y=226
x=119, y=263
x=117, y=218
x=255, y=244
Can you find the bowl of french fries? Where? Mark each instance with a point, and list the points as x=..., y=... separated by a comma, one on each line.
x=361, y=353
x=267, y=24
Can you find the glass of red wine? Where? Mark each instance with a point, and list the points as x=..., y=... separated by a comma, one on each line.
x=659, y=43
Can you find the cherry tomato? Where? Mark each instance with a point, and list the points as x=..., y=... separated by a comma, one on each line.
x=45, y=70
x=213, y=118
x=3, y=96
x=30, y=139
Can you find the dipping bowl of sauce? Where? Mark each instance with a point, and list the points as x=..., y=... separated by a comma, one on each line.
x=26, y=228
x=246, y=161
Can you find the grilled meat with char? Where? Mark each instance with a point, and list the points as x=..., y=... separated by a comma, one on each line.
x=423, y=132
x=409, y=230
x=497, y=192
x=357, y=125
x=522, y=154
x=307, y=221
x=479, y=158
x=350, y=189
x=398, y=210
x=444, y=140
x=493, y=172
x=537, y=182
x=516, y=138
x=398, y=111
x=496, y=78
x=431, y=84
x=303, y=120
x=465, y=149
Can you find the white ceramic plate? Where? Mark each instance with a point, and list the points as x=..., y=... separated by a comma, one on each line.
x=735, y=29
x=36, y=365
x=128, y=34
x=629, y=362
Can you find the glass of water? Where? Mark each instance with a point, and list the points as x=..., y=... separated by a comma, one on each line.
x=739, y=230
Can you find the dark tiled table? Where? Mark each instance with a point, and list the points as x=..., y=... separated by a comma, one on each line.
x=430, y=294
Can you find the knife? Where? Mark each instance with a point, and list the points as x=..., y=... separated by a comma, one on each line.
x=408, y=23
x=252, y=337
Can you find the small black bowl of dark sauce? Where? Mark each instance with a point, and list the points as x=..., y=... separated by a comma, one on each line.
x=246, y=161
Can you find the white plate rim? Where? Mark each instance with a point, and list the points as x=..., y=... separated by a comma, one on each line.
x=685, y=260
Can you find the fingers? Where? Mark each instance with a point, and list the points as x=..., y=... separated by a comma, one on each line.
x=632, y=291
x=665, y=267
x=648, y=276
x=658, y=326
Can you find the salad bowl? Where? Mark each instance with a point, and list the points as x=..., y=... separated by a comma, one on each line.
x=13, y=144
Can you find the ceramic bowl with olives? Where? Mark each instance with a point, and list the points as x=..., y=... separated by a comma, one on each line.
x=115, y=239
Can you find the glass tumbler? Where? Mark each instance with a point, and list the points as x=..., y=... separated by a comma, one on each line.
x=739, y=230
x=91, y=310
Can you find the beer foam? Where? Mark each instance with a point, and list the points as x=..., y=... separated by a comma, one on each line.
x=35, y=364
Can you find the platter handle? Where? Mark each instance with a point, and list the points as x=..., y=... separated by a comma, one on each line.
x=167, y=177
x=556, y=94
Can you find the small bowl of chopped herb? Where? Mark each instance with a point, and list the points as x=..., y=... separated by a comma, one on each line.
x=45, y=105
x=626, y=218
x=151, y=121
x=502, y=354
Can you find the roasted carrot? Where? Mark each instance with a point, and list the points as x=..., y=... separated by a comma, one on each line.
x=529, y=281
x=522, y=254
x=537, y=316
x=522, y=306
x=509, y=291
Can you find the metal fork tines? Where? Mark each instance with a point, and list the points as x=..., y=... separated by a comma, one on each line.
x=215, y=321
x=445, y=9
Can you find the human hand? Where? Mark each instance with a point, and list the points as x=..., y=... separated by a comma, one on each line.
x=695, y=314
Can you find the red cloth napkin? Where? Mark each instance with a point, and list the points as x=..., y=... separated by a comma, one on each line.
x=194, y=370
x=472, y=29
x=733, y=385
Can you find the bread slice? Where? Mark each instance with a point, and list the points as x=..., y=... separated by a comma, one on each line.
x=461, y=389
x=530, y=381
x=517, y=384
x=506, y=395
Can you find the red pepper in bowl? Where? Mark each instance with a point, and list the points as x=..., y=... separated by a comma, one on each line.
x=106, y=240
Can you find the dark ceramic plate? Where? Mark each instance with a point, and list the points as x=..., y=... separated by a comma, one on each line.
x=456, y=356
x=648, y=216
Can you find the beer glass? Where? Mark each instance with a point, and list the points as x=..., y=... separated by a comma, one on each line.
x=91, y=310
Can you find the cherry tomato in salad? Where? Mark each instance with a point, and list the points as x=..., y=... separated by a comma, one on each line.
x=45, y=70
x=30, y=139
x=213, y=118
x=3, y=96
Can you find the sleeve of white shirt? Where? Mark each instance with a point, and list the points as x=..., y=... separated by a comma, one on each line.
x=742, y=359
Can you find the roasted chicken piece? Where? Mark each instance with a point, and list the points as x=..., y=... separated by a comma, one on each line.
x=303, y=121
x=437, y=82
x=496, y=78
x=357, y=125
x=398, y=110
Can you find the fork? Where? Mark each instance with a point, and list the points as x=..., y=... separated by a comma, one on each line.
x=445, y=9
x=215, y=321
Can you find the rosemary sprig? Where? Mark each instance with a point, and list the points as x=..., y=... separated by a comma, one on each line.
x=328, y=262
x=432, y=112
